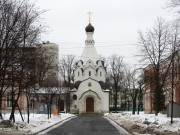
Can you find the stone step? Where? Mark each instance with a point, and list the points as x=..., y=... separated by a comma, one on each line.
x=90, y=114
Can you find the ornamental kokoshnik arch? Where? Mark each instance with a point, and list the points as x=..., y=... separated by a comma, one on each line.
x=90, y=102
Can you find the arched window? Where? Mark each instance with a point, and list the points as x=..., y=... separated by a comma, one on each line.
x=74, y=97
x=89, y=73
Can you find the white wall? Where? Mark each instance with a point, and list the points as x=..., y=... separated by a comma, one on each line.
x=101, y=99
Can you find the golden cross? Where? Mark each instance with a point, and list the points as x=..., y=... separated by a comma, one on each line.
x=89, y=16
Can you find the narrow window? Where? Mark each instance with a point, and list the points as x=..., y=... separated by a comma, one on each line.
x=89, y=73
x=32, y=104
x=78, y=73
x=74, y=97
x=89, y=84
x=100, y=73
x=9, y=99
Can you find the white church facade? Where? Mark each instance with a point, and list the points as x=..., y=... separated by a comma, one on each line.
x=89, y=93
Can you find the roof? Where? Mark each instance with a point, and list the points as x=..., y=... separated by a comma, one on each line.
x=89, y=28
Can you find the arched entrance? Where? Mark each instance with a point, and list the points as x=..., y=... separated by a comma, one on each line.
x=89, y=104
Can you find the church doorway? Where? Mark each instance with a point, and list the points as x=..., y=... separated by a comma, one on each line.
x=89, y=104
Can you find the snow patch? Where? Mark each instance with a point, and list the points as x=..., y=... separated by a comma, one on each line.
x=144, y=124
x=37, y=123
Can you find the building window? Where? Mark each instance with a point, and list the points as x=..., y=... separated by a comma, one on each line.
x=74, y=97
x=32, y=104
x=100, y=73
x=89, y=73
x=89, y=84
x=9, y=99
x=78, y=73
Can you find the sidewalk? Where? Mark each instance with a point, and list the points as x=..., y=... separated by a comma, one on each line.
x=36, y=125
x=144, y=124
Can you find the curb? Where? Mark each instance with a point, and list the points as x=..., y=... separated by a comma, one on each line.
x=127, y=131
x=19, y=132
x=36, y=133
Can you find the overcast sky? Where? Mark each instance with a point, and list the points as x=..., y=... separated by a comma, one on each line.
x=116, y=24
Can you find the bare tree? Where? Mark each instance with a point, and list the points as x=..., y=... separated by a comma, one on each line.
x=127, y=87
x=141, y=88
x=131, y=86
x=175, y=43
x=45, y=65
x=138, y=89
x=133, y=90
x=154, y=49
x=51, y=88
x=29, y=80
x=173, y=3
x=67, y=64
x=116, y=72
x=18, y=29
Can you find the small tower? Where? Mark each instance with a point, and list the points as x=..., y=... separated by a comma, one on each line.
x=89, y=51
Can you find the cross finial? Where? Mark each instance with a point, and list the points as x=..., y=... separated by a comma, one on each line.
x=89, y=16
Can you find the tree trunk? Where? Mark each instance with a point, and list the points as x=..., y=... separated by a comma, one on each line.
x=1, y=106
x=50, y=110
x=125, y=102
x=27, y=107
x=134, y=101
x=138, y=108
x=140, y=99
x=134, y=106
x=14, y=104
x=172, y=88
x=115, y=101
x=20, y=112
x=12, y=98
x=12, y=117
x=157, y=94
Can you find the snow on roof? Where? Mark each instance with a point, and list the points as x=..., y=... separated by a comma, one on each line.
x=44, y=90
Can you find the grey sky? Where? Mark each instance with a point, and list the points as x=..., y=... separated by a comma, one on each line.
x=116, y=24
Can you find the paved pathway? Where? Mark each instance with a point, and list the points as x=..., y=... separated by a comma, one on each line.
x=86, y=125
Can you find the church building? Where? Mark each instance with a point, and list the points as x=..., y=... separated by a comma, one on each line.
x=89, y=93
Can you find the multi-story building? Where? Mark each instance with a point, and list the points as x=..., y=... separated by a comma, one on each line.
x=167, y=77
x=50, y=53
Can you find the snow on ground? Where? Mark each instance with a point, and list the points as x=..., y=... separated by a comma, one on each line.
x=146, y=123
x=138, y=124
x=37, y=122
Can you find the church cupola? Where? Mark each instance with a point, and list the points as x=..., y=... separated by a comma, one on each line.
x=89, y=52
x=89, y=32
x=89, y=28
